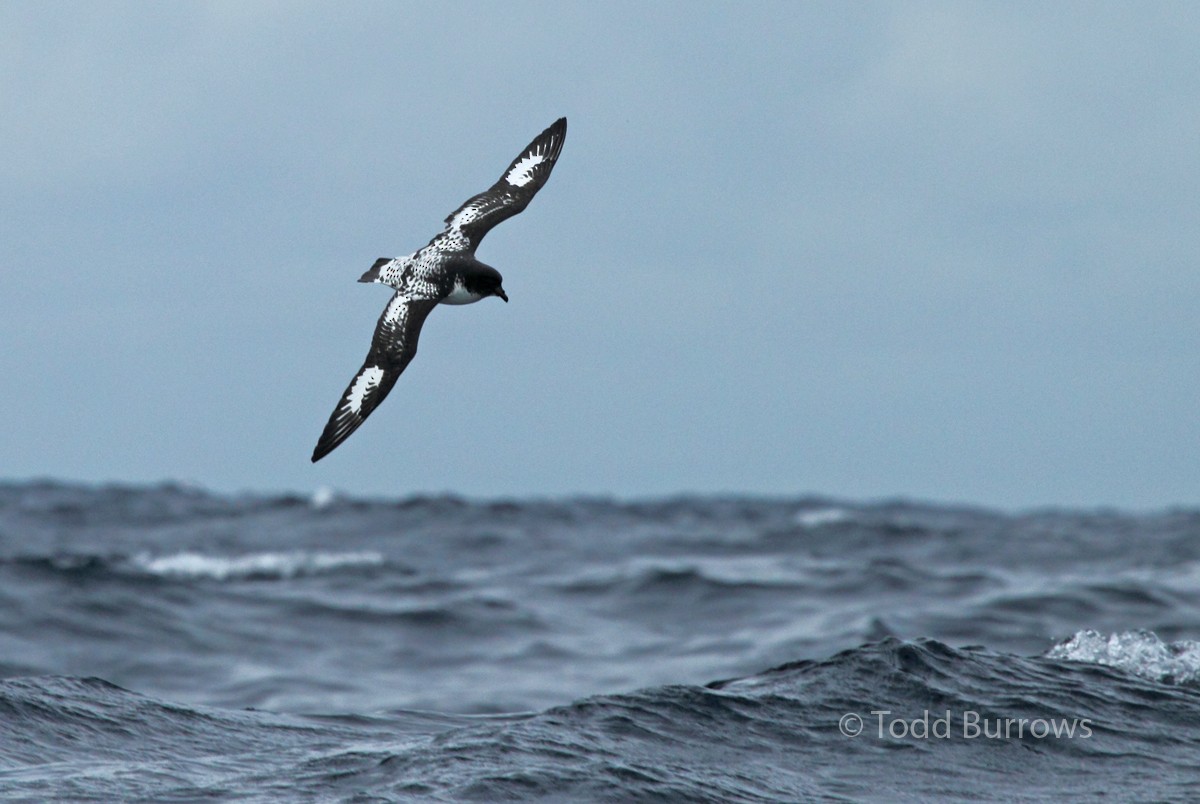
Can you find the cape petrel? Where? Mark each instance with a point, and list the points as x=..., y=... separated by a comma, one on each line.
x=444, y=272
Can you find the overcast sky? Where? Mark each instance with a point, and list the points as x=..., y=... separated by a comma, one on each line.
x=940, y=250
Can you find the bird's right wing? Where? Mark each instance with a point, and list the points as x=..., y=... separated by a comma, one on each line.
x=511, y=193
x=392, y=348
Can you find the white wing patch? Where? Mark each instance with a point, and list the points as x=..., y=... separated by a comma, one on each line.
x=363, y=383
x=522, y=172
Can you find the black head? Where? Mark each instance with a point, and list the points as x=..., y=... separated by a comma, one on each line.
x=484, y=280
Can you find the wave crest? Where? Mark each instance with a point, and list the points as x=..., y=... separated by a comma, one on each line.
x=1140, y=653
x=260, y=566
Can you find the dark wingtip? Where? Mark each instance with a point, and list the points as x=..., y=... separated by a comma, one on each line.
x=327, y=443
x=556, y=135
x=330, y=440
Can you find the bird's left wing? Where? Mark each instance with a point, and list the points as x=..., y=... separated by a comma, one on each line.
x=392, y=348
x=467, y=225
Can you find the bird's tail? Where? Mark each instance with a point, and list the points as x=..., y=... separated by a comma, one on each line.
x=372, y=274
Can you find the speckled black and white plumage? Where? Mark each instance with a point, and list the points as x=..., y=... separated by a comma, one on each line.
x=443, y=272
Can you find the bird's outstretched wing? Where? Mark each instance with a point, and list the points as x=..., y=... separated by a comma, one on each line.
x=392, y=348
x=467, y=225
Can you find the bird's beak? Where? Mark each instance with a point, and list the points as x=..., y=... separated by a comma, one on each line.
x=500, y=292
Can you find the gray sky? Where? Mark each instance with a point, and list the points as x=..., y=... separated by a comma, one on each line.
x=944, y=250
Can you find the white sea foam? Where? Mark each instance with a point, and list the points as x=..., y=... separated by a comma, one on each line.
x=322, y=497
x=1141, y=653
x=253, y=565
x=816, y=517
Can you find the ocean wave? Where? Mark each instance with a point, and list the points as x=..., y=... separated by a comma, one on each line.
x=819, y=517
x=651, y=575
x=323, y=497
x=776, y=735
x=256, y=566
x=1140, y=653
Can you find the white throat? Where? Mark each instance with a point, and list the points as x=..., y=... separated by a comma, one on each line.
x=460, y=295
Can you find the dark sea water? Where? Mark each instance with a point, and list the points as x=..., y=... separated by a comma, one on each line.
x=168, y=644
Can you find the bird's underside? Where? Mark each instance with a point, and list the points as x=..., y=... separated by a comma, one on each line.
x=443, y=272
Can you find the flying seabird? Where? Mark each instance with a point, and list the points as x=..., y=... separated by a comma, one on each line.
x=443, y=272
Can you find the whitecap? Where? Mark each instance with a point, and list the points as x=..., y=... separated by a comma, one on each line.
x=1141, y=653
x=323, y=497
x=817, y=517
x=253, y=565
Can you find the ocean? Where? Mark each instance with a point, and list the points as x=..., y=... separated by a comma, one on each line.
x=166, y=643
